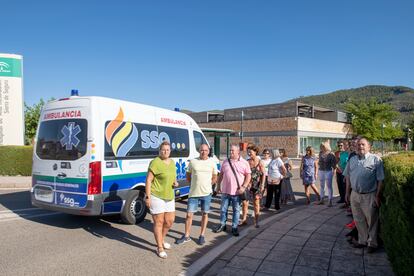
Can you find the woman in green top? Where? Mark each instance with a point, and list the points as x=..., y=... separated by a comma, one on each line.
x=159, y=189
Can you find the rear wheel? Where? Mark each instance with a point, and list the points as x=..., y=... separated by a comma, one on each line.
x=134, y=210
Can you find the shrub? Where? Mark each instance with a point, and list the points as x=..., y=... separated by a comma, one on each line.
x=16, y=160
x=397, y=212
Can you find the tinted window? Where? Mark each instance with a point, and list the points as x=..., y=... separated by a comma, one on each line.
x=62, y=139
x=180, y=146
x=133, y=141
x=199, y=139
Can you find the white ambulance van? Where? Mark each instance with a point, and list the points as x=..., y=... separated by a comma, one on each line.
x=91, y=155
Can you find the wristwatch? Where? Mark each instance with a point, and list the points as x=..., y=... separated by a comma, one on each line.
x=147, y=197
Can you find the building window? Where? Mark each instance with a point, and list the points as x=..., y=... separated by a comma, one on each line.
x=315, y=142
x=215, y=118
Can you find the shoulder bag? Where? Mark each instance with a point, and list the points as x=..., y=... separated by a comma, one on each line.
x=243, y=195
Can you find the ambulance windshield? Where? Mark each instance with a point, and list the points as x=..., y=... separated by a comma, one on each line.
x=62, y=139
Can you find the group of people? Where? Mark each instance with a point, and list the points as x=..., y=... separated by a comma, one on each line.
x=240, y=181
x=160, y=199
x=323, y=167
x=359, y=176
x=256, y=180
x=262, y=180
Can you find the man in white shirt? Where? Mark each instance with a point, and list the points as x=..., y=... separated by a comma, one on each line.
x=202, y=173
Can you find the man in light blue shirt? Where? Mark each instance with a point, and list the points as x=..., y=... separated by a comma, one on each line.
x=364, y=173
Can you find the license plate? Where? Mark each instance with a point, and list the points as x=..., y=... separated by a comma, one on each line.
x=44, y=194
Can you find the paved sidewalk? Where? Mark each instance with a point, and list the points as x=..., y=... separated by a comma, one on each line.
x=15, y=182
x=307, y=240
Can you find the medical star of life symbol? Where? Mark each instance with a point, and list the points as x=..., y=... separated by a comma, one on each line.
x=69, y=135
x=181, y=169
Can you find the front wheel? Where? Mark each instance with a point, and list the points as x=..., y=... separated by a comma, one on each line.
x=134, y=210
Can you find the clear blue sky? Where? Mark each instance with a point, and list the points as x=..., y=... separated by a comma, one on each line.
x=202, y=55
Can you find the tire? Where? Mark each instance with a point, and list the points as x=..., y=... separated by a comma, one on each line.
x=134, y=210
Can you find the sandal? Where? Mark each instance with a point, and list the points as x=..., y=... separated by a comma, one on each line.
x=161, y=253
x=242, y=223
x=167, y=245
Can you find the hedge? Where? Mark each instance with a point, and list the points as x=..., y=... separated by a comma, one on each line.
x=397, y=212
x=16, y=160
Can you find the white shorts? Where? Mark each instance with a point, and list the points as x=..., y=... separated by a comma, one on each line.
x=159, y=206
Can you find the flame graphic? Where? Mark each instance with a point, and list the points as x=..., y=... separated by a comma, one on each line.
x=121, y=136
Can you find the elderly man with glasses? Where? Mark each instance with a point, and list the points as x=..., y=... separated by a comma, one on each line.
x=365, y=174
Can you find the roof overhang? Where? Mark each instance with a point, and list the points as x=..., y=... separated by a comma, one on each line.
x=216, y=130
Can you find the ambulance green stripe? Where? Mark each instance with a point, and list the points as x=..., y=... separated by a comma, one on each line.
x=65, y=180
x=123, y=176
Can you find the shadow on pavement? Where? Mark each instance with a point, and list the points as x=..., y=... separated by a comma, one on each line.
x=15, y=200
x=222, y=237
x=102, y=227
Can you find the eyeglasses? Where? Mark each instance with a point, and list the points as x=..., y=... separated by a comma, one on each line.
x=340, y=145
x=266, y=152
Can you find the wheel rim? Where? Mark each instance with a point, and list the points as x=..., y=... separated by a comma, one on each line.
x=137, y=207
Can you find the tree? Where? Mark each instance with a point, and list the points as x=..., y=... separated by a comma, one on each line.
x=373, y=120
x=31, y=120
x=410, y=131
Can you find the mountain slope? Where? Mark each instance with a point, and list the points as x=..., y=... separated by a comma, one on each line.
x=402, y=98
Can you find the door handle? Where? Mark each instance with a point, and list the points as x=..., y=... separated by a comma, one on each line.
x=61, y=175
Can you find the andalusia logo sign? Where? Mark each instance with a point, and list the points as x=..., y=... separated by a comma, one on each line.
x=10, y=67
x=4, y=67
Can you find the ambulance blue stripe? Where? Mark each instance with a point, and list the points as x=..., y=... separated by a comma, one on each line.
x=67, y=185
x=182, y=191
x=122, y=183
x=128, y=183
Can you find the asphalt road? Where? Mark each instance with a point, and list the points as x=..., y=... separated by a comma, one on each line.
x=39, y=242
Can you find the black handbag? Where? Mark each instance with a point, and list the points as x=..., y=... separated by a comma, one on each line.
x=245, y=194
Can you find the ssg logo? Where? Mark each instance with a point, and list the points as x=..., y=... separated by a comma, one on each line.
x=4, y=67
x=67, y=200
x=69, y=136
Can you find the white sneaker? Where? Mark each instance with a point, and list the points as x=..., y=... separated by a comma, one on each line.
x=162, y=254
x=167, y=245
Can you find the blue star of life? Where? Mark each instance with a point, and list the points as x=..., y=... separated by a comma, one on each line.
x=181, y=169
x=69, y=138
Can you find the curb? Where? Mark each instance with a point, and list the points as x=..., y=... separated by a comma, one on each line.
x=199, y=265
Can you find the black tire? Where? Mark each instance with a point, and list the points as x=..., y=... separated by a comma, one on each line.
x=134, y=210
